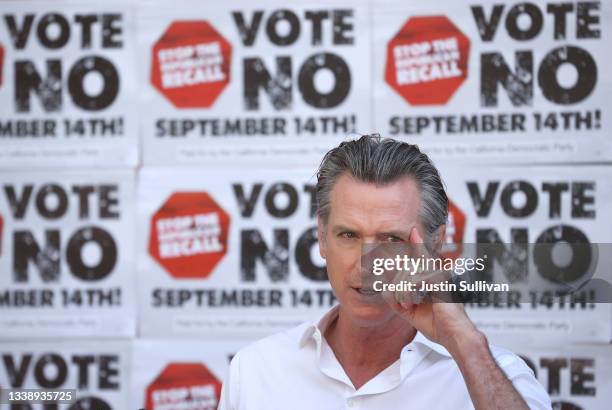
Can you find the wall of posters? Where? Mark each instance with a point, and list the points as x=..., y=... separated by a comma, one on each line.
x=158, y=163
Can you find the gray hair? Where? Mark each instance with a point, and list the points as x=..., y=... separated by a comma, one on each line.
x=382, y=161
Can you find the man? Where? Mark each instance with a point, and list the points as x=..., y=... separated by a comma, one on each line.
x=364, y=355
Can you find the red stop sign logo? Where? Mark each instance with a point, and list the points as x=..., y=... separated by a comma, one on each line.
x=427, y=60
x=189, y=235
x=184, y=386
x=190, y=65
x=455, y=229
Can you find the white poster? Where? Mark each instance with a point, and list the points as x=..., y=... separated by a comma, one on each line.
x=179, y=374
x=535, y=205
x=67, y=84
x=227, y=253
x=252, y=81
x=494, y=81
x=98, y=372
x=67, y=254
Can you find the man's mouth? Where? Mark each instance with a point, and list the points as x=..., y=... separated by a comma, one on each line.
x=366, y=291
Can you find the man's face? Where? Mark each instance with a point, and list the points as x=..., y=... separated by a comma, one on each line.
x=363, y=213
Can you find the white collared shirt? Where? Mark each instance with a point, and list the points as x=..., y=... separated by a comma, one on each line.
x=297, y=369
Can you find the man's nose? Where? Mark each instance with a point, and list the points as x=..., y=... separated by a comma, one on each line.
x=369, y=240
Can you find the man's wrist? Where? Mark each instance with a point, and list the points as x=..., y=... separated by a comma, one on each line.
x=468, y=345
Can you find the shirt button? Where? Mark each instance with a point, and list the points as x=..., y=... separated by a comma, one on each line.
x=350, y=403
x=317, y=337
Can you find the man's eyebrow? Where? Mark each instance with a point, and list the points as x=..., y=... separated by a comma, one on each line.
x=341, y=228
x=396, y=232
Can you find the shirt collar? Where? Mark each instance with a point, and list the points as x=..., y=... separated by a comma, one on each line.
x=316, y=330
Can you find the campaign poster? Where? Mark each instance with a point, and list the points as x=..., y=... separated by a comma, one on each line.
x=98, y=372
x=67, y=264
x=517, y=207
x=577, y=377
x=252, y=82
x=231, y=254
x=494, y=81
x=175, y=375
x=67, y=84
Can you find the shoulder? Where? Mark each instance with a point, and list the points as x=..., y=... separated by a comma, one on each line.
x=522, y=377
x=264, y=363
x=277, y=346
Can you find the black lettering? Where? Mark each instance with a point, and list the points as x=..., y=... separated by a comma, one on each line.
x=554, y=191
x=247, y=32
x=63, y=33
x=342, y=27
x=83, y=363
x=16, y=374
x=535, y=21
x=342, y=80
x=110, y=31
x=19, y=35
x=560, y=11
x=275, y=259
x=49, y=90
x=26, y=249
x=580, y=376
x=292, y=200
x=18, y=205
x=554, y=366
x=83, y=193
x=482, y=206
x=584, y=19
x=247, y=205
x=530, y=203
x=110, y=78
x=294, y=27
x=582, y=254
x=108, y=249
x=316, y=18
x=580, y=199
x=303, y=260
x=278, y=88
x=42, y=201
x=585, y=67
x=86, y=21
x=487, y=29
x=108, y=371
x=42, y=377
x=108, y=200
x=518, y=85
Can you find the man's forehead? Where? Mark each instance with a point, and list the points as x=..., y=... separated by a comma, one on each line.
x=351, y=197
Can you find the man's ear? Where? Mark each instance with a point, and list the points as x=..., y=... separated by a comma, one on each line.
x=321, y=227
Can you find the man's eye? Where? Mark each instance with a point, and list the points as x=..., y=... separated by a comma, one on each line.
x=393, y=238
x=348, y=235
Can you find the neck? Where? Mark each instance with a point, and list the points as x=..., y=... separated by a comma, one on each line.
x=366, y=350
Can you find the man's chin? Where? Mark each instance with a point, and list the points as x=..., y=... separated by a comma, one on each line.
x=369, y=314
